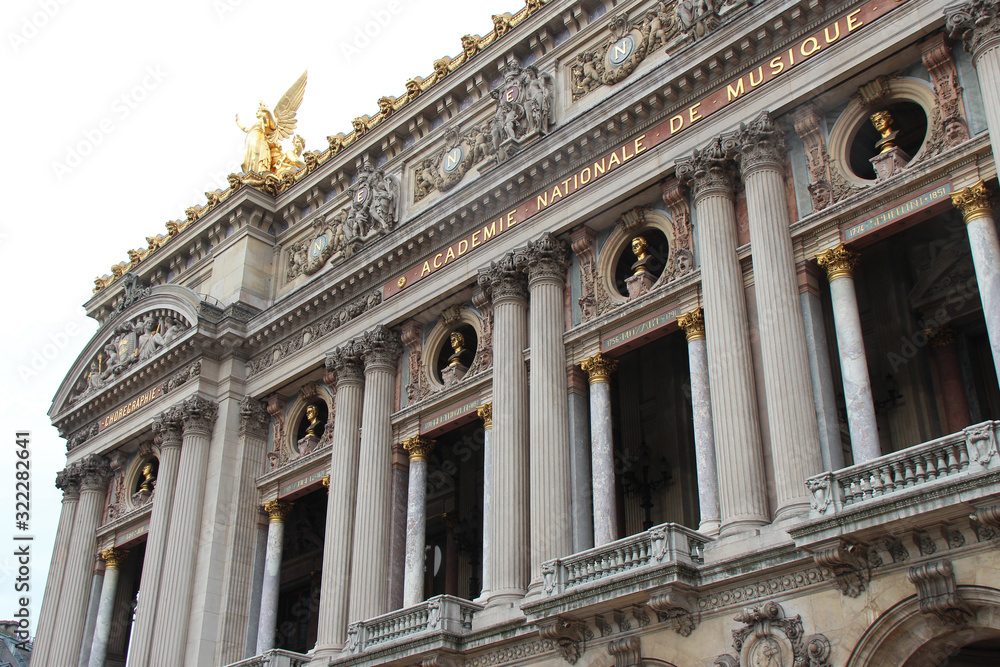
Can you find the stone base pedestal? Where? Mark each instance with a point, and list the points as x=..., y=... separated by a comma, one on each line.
x=307, y=444
x=890, y=163
x=638, y=284
x=452, y=374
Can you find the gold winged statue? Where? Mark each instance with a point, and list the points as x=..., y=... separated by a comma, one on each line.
x=263, y=151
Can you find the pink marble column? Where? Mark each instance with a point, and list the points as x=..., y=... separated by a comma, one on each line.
x=397, y=536
x=951, y=386
x=416, y=519
x=602, y=464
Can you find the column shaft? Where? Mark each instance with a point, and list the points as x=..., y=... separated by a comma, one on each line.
x=550, y=455
x=167, y=426
x=790, y=409
x=267, y=624
x=370, y=554
x=70, y=620
x=485, y=413
x=951, y=386
x=173, y=608
x=69, y=482
x=332, y=630
x=742, y=497
x=824, y=394
x=605, y=506
x=581, y=480
x=416, y=520
x=839, y=263
x=397, y=536
x=986, y=257
x=93, y=606
x=256, y=589
x=106, y=609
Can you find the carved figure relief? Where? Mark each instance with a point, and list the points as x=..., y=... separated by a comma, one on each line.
x=130, y=343
x=948, y=125
x=460, y=152
x=826, y=184
x=523, y=111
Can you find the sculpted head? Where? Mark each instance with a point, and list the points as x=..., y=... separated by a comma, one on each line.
x=882, y=120
x=457, y=341
x=311, y=413
x=639, y=246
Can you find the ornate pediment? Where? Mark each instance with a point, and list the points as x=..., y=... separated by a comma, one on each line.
x=129, y=344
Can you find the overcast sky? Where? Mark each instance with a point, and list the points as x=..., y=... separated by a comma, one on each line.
x=119, y=115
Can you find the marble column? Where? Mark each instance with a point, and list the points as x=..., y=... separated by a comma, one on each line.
x=742, y=492
x=548, y=404
x=602, y=463
x=976, y=203
x=693, y=324
x=580, y=468
x=173, y=608
x=268, y=619
x=167, y=429
x=791, y=413
x=113, y=558
x=397, y=536
x=68, y=630
x=380, y=349
x=485, y=413
x=416, y=519
x=256, y=585
x=93, y=605
x=504, y=284
x=977, y=23
x=67, y=481
x=346, y=363
x=839, y=263
x=824, y=394
x=951, y=385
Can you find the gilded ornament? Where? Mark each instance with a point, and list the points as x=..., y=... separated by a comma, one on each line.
x=975, y=201
x=639, y=248
x=839, y=262
x=263, y=148
x=599, y=368
x=401, y=282
x=418, y=447
x=457, y=342
x=325, y=481
x=882, y=120
x=277, y=510
x=113, y=558
x=693, y=324
x=485, y=412
x=148, y=478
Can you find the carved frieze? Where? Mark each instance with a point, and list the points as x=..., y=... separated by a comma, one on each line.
x=826, y=184
x=948, y=126
x=327, y=243
x=768, y=637
x=460, y=152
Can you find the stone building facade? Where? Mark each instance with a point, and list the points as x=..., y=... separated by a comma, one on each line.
x=638, y=333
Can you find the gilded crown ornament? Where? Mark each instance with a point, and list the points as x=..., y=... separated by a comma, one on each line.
x=839, y=262
x=599, y=368
x=975, y=201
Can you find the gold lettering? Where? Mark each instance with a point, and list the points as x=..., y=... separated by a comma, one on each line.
x=814, y=49
x=452, y=160
x=450, y=256
x=489, y=232
x=437, y=258
x=556, y=193
x=826, y=31
x=427, y=269
x=621, y=50
x=599, y=167
x=852, y=21
x=475, y=237
x=542, y=201
x=680, y=121
x=791, y=57
x=510, y=218
x=565, y=185
x=614, y=160
x=462, y=250
x=585, y=174
x=731, y=93
x=625, y=156
x=576, y=185
x=639, y=148
x=760, y=71
x=776, y=68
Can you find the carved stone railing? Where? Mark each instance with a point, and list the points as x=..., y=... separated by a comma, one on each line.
x=440, y=614
x=274, y=658
x=660, y=545
x=938, y=462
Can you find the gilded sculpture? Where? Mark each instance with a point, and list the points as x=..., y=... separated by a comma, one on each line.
x=315, y=423
x=148, y=478
x=263, y=142
x=882, y=120
x=639, y=249
x=457, y=342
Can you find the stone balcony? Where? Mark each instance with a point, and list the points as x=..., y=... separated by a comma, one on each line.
x=274, y=658
x=443, y=615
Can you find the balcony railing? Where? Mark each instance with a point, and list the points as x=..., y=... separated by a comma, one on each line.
x=661, y=544
x=443, y=613
x=922, y=467
x=274, y=658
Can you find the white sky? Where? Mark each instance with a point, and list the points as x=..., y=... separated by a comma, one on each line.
x=185, y=68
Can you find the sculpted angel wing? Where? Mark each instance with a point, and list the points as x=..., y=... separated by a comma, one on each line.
x=284, y=112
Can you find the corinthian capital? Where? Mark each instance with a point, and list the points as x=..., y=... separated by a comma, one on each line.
x=95, y=471
x=167, y=426
x=253, y=418
x=345, y=361
x=976, y=22
x=381, y=347
x=505, y=278
x=199, y=415
x=711, y=169
x=839, y=262
x=761, y=144
x=68, y=481
x=546, y=259
x=693, y=324
x=975, y=201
